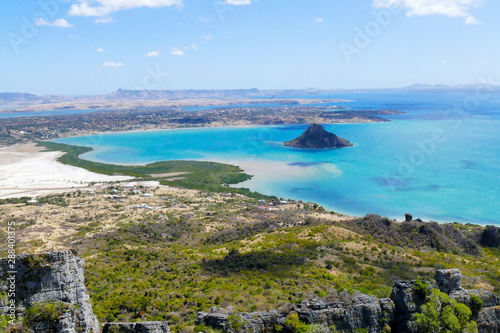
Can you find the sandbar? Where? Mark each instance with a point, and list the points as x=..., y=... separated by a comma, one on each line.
x=28, y=170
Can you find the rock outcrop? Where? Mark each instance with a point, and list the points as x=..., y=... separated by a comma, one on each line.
x=406, y=303
x=53, y=278
x=363, y=312
x=448, y=280
x=490, y=237
x=369, y=313
x=54, y=281
x=142, y=327
x=315, y=137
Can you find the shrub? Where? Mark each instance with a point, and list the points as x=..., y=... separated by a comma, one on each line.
x=205, y=329
x=48, y=313
x=475, y=304
x=421, y=289
x=442, y=314
x=294, y=325
x=3, y=323
x=236, y=324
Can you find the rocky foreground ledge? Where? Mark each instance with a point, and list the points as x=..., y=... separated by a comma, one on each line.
x=50, y=296
x=363, y=313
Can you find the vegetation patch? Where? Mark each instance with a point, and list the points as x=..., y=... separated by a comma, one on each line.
x=199, y=175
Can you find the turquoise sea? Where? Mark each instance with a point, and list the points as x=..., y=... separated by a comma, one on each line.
x=439, y=161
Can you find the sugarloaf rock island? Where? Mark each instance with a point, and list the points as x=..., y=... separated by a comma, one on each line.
x=315, y=137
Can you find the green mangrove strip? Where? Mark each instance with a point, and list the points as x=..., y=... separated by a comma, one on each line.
x=198, y=175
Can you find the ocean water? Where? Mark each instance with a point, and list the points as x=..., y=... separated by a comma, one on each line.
x=439, y=161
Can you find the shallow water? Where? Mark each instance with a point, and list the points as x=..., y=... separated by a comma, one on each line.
x=439, y=161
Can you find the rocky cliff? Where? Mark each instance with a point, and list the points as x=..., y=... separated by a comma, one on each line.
x=362, y=312
x=50, y=296
x=52, y=286
x=408, y=302
x=367, y=313
x=143, y=327
x=315, y=137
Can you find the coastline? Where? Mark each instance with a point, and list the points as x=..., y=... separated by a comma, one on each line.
x=211, y=126
x=97, y=104
x=28, y=170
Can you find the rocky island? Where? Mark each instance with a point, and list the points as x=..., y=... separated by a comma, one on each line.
x=315, y=137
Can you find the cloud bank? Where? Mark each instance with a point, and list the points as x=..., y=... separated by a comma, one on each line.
x=112, y=64
x=107, y=7
x=450, y=8
x=60, y=23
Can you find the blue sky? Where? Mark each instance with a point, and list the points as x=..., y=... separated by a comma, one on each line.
x=78, y=47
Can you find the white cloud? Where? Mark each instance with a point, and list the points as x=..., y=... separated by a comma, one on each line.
x=153, y=54
x=471, y=20
x=209, y=37
x=176, y=51
x=194, y=46
x=112, y=64
x=237, y=2
x=104, y=19
x=100, y=50
x=451, y=8
x=60, y=23
x=107, y=7
x=204, y=19
x=444, y=62
x=318, y=20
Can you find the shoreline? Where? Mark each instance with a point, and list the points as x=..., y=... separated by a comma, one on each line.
x=137, y=104
x=28, y=170
x=43, y=165
x=147, y=130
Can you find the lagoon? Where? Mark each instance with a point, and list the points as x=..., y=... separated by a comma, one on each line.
x=439, y=161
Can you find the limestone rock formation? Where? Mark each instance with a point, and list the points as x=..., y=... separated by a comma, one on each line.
x=368, y=313
x=142, y=327
x=448, y=280
x=407, y=302
x=363, y=312
x=52, y=277
x=491, y=237
x=315, y=137
x=56, y=278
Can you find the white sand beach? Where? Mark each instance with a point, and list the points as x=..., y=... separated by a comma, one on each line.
x=27, y=170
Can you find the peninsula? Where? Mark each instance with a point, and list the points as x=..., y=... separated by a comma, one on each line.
x=315, y=137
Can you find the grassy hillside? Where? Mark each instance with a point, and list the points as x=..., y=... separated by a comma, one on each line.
x=205, y=249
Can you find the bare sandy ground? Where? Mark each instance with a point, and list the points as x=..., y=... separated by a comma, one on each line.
x=27, y=170
x=96, y=103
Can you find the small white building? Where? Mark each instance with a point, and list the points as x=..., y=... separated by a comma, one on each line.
x=142, y=206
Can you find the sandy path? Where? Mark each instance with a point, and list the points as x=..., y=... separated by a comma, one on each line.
x=27, y=170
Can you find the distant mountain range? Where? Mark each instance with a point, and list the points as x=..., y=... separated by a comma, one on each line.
x=25, y=99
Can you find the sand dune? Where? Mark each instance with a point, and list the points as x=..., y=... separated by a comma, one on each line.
x=27, y=170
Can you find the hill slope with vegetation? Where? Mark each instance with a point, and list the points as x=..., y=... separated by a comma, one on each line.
x=194, y=250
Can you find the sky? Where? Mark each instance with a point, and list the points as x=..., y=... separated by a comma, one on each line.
x=82, y=47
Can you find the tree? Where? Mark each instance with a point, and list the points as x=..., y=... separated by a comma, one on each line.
x=443, y=314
